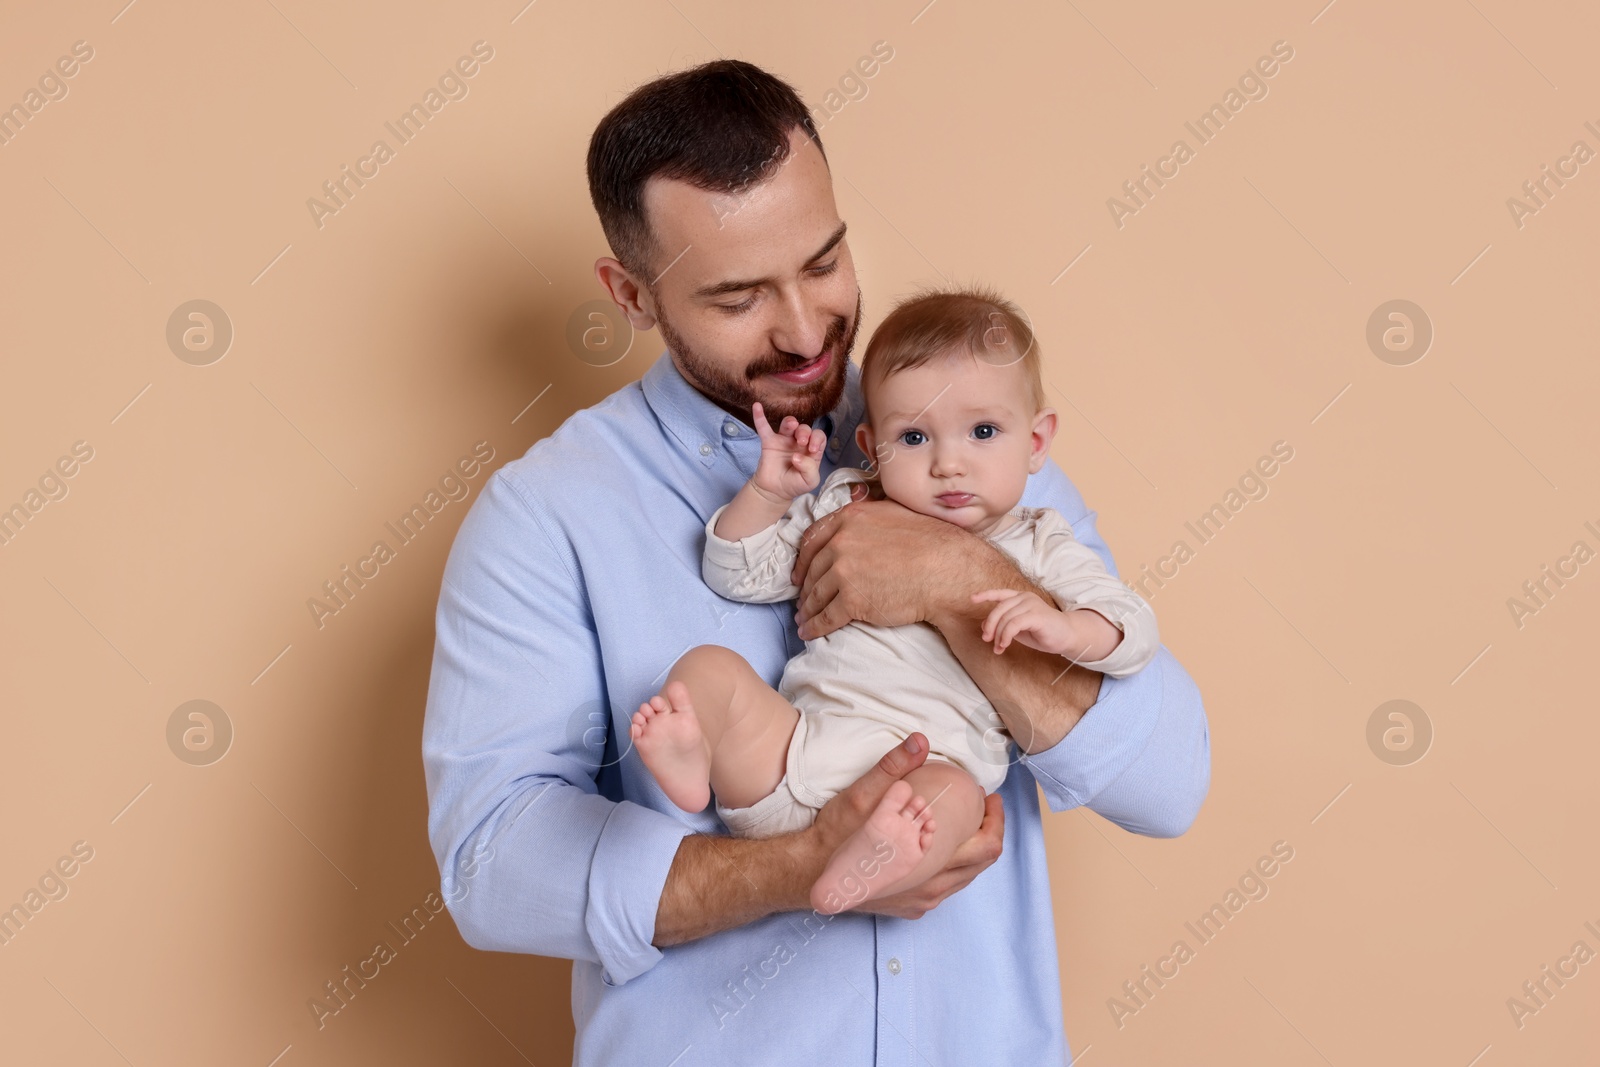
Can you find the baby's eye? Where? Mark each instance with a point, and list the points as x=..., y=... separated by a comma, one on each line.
x=985, y=431
x=912, y=438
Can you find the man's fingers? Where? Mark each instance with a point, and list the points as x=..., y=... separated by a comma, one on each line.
x=812, y=542
x=816, y=589
x=898, y=762
x=829, y=619
x=984, y=846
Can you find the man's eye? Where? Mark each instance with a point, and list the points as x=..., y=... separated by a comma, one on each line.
x=828, y=269
x=906, y=438
x=981, y=427
x=741, y=307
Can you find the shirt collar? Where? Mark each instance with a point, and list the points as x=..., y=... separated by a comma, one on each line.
x=696, y=421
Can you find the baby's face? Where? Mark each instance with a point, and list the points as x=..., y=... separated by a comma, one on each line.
x=953, y=439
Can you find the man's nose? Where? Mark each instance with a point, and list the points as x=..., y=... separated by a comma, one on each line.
x=801, y=328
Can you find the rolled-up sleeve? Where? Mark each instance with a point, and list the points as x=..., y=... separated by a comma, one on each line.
x=1141, y=754
x=531, y=858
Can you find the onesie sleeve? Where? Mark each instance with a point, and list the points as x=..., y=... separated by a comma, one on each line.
x=755, y=570
x=1072, y=573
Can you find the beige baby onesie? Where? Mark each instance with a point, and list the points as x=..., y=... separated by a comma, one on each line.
x=861, y=689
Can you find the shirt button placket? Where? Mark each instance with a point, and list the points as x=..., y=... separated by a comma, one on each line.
x=897, y=1022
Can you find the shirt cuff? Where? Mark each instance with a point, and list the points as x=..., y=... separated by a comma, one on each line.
x=1104, y=743
x=626, y=877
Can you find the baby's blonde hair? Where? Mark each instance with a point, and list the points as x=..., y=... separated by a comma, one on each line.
x=949, y=321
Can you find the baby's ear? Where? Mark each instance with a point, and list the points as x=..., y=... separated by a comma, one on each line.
x=864, y=439
x=1044, y=432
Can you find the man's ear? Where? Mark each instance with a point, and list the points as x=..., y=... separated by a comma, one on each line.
x=1044, y=431
x=634, y=299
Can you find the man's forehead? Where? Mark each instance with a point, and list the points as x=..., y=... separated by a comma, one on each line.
x=788, y=214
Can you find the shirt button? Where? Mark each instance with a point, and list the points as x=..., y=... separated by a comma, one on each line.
x=894, y=964
x=731, y=429
x=705, y=448
x=835, y=444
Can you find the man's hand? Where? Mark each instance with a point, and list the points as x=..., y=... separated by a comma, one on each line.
x=847, y=812
x=877, y=561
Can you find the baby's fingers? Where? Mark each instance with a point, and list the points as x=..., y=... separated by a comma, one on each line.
x=993, y=620
x=1016, y=624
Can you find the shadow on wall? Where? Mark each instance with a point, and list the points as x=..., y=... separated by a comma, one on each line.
x=515, y=330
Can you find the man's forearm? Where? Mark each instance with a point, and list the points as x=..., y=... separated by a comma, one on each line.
x=718, y=883
x=1034, y=693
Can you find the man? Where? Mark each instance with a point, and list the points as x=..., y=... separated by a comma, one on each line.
x=574, y=584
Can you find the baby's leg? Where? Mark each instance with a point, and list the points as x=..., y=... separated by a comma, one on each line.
x=715, y=725
x=908, y=838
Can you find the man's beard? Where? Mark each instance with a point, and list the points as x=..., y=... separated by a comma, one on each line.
x=734, y=392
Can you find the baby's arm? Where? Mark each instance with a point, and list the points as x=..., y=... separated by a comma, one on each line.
x=1080, y=634
x=790, y=461
x=750, y=557
x=1096, y=621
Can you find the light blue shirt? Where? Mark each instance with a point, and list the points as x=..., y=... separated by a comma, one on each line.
x=572, y=586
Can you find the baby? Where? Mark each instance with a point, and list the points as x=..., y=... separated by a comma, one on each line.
x=956, y=421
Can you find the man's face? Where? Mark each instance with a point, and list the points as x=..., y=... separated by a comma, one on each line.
x=755, y=292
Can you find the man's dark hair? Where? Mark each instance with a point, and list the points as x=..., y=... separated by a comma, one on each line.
x=719, y=126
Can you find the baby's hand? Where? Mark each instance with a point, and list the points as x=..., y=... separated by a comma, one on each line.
x=1080, y=635
x=791, y=457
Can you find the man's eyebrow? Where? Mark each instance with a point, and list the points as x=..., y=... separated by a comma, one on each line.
x=739, y=285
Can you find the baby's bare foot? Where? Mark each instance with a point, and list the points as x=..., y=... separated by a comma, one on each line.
x=876, y=857
x=672, y=745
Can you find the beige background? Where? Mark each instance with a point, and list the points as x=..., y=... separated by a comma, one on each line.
x=1229, y=313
